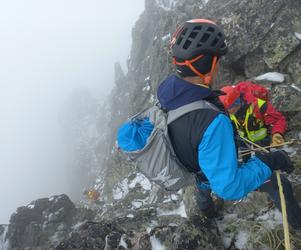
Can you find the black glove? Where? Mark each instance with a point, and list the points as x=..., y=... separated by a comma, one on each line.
x=276, y=160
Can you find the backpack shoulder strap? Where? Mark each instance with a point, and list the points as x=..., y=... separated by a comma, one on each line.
x=177, y=113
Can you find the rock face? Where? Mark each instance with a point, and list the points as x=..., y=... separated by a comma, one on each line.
x=56, y=223
x=263, y=36
x=43, y=222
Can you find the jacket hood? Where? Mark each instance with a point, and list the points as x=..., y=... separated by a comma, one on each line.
x=174, y=92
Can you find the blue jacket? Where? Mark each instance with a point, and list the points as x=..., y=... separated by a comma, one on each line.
x=217, y=157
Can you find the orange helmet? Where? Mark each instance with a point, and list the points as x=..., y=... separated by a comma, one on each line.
x=231, y=95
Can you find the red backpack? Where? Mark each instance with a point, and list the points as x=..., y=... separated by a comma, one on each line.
x=252, y=90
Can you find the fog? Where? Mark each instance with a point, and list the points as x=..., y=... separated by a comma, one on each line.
x=47, y=50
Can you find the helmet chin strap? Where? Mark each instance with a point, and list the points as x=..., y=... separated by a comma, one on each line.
x=207, y=78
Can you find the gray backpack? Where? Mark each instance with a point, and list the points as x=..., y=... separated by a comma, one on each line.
x=157, y=159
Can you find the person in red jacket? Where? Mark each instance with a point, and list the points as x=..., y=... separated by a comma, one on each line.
x=255, y=119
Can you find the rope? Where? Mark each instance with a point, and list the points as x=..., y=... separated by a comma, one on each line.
x=270, y=237
x=246, y=152
x=282, y=199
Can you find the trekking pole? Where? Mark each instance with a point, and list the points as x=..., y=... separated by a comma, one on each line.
x=246, y=152
x=282, y=199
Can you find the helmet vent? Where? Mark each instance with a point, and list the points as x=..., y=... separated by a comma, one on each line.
x=186, y=44
x=179, y=40
x=205, y=38
x=181, y=36
x=193, y=34
x=198, y=27
x=214, y=42
x=210, y=29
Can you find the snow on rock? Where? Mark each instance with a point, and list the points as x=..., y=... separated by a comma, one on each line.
x=31, y=206
x=295, y=87
x=152, y=98
x=290, y=150
x=174, y=197
x=242, y=240
x=123, y=243
x=3, y=243
x=142, y=180
x=166, y=37
x=298, y=35
x=78, y=224
x=137, y=203
x=166, y=4
x=156, y=244
x=179, y=211
x=152, y=225
x=271, y=76
x=147, y=88
x=121, y=189
x=271, y=218
x=51, y=198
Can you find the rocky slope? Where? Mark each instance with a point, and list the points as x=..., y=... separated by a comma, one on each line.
x=263, y=36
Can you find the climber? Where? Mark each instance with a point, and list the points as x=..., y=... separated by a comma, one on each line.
x=254, y=118
x=204, y=139
x=92, y=195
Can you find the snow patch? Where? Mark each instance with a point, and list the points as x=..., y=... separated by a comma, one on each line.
x=166, y=37
x=137, y=203
x=298, y=35
x=295, y=87
x=174, y=197
x=147, y=88
x=4, y=244
x=292, y=151
x=142, y=180
x=51, y=198
x=271, y=218
x=152, y=225
x=77, y=225
x=151, y=98
x=121, y=189
x=271, y=76
x=179, y=211
x=166, y=4
x=30, y=206
x=156, y=244
x=242, y=240
x=123, y=243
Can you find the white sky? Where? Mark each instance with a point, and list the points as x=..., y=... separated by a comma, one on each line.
x=47, y=49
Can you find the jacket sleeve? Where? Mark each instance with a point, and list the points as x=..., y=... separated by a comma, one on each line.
x=275, y=119
x=218, y=161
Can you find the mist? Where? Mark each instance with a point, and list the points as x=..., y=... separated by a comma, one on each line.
x=48, y=50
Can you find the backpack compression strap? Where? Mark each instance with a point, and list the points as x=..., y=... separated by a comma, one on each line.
x=177, y=113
